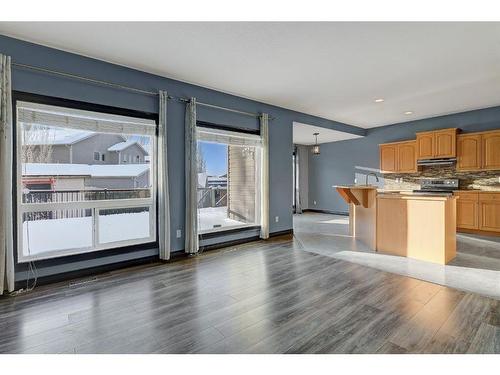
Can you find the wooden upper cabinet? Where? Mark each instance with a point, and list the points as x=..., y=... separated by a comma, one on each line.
x=469, y=155
x=398, y=157
x=491, y=150
x=388, y=158
x=437, y=144
x=407, y=157
x=445, y=143
x=425, y=145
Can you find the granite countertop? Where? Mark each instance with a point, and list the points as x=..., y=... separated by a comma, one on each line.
x=419, y=196
x=477, y=191
x=369, y=187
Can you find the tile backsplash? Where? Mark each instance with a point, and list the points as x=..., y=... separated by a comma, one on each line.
x=481, y=180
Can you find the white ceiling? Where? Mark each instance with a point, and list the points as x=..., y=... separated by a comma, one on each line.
x=332, y=70
x=303, y=134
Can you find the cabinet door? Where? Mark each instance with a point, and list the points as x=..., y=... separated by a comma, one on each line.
x=491, y=150
x=425, y=145
x=489, y=215
x=467, y=214
x=469, y=152
x=407, y=161
x=388, y=158
x=445, y=143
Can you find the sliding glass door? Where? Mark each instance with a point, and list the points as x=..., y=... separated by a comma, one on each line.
x=229, y=173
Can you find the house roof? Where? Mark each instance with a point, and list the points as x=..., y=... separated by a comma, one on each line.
x=56, y=136
x=124, y=145
x=106, y=170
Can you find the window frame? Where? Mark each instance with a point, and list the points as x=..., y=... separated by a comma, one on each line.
x=222, y=231
x=96, y=153
x=21, y=208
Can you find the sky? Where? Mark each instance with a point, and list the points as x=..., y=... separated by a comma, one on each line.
x=215, y=155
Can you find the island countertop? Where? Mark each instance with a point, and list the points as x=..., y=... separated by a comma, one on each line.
x=413, y=196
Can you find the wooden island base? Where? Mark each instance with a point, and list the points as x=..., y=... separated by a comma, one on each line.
x=416, y=226
x=419, y=227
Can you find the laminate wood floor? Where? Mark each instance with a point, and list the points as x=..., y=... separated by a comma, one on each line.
x=263, y=297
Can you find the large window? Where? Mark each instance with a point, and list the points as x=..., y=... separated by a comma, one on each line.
x=74, y=192
x=229, y=165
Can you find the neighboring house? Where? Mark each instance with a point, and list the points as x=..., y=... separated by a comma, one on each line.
x=128, y=152
x=82, y=147
x=49, y=176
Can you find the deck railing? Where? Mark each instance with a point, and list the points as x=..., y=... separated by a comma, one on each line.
x=212, y=197
x=67, y=196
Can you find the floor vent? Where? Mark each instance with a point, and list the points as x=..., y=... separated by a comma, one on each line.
x=74, y=284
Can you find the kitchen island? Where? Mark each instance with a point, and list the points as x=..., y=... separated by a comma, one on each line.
x=417, y=226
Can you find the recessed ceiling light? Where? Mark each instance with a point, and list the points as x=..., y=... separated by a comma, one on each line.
x=409, y=113
x=379, y=100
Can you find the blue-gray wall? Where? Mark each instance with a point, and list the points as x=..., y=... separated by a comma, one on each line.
x=280, y=131
x=340, y=162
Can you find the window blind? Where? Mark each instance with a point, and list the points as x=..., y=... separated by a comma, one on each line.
x=47, y=115
x=228, y=137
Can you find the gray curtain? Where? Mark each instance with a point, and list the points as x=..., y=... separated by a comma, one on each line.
x=191, y=228
x=264, y=212
x=298, y=198
x=163, y=191
x=6, y=131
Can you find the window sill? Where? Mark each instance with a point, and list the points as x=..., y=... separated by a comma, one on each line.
x=219, y=232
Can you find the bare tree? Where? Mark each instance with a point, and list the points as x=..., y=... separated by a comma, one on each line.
x=200, y=161
x=36, y=145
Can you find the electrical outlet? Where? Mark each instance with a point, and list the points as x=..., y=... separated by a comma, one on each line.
x=179, y=233
x=277, y=218
x=314, y=203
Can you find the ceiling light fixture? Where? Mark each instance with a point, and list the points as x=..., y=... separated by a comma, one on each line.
x=409, y=113
x=379, y=100
x=315, y=148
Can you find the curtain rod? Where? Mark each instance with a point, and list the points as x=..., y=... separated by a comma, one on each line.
x=127, y=88
x=222, y=108
x=85, y=79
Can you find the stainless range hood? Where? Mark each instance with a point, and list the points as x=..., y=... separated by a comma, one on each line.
x=447, y=161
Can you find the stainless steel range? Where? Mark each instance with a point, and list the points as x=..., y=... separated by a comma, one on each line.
x=437, y=186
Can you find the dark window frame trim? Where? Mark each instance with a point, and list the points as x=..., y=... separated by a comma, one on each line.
x=211, y=125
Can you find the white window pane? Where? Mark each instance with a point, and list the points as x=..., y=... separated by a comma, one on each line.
x=124, y=224
x=48, y=231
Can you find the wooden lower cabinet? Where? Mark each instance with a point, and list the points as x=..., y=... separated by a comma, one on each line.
x=478, y=211
x=489, y=215
x=467, y=214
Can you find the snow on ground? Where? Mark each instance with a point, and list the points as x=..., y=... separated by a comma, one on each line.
x=96, y=170
x=76, y=233
x=41, y=236
x=211, y=217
